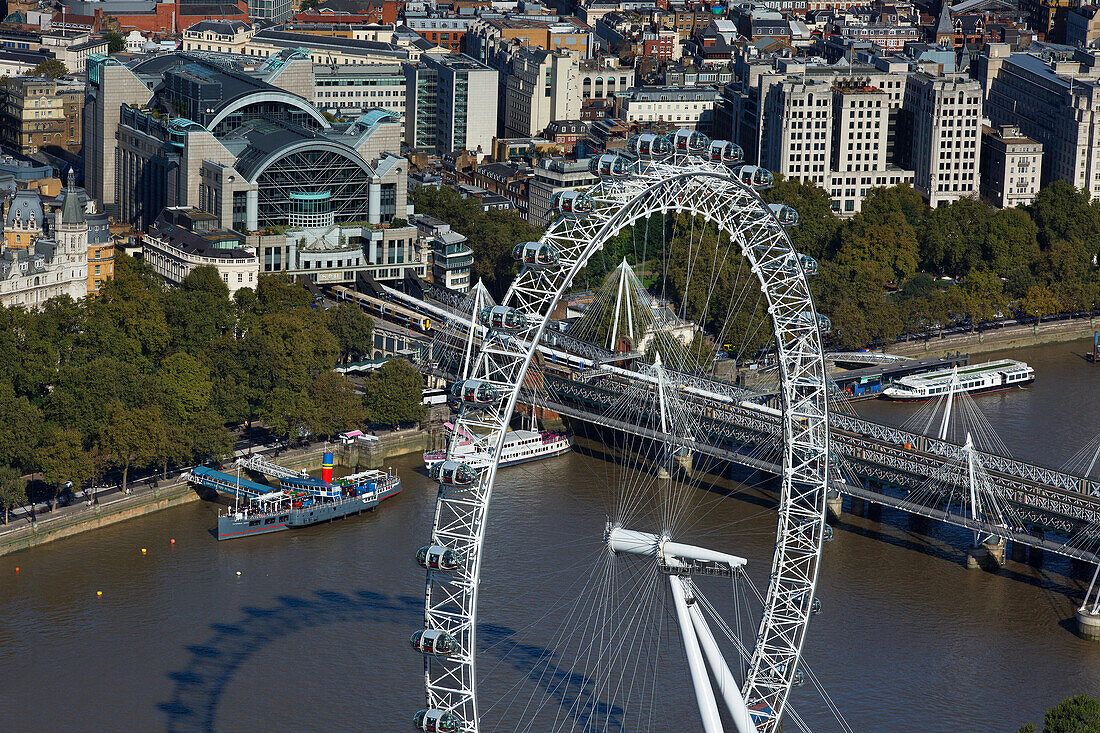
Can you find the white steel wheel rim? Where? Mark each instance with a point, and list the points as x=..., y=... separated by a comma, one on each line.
x=690, y=186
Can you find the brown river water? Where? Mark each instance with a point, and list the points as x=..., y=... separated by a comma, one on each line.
x=312, y=635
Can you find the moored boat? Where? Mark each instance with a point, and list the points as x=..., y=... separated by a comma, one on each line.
x=974, y=379
x=520, y=446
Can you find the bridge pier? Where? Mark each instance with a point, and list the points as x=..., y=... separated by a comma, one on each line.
x=834, y=503
x=1019, y=552
x=990, y=553
x=1088, y=624
x=686, y=461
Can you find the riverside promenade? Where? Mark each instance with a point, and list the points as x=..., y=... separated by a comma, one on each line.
x=32, y=525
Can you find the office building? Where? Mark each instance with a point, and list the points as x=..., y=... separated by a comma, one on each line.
x=1011, y=167
x=451, y=256
x=1054, y=102
x=550, y=176
x=945, y=116
x=540, y=87
x=39, y=113
x=450, y=104
x=690, y=106
x=183, y=238
x=245, y=146
x=352, y=89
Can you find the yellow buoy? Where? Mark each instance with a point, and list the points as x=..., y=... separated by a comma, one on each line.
x=143, y=551
x=99, y=592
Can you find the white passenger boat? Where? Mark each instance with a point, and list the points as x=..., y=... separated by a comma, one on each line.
x=973, y=379
x=520, y=446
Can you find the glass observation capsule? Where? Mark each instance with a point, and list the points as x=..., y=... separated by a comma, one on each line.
x=436, y=642
x=809, y=264
x=723, y=151
x=503, y=317
x=754, y=175
x=535, y=254
x=435, y=721
x=453, y=473
x=474, y=391
x=689, y=141
x=823, y=322
x=438, y=557
x=648, y=145
x=815, y=606
x=785, y=215
x=572, y=203
x=609, y=164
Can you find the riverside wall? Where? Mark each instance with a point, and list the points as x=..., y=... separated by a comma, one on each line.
x=1011, y=337
x=23, y=533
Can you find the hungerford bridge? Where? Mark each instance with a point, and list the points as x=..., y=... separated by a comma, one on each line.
x=816, y=453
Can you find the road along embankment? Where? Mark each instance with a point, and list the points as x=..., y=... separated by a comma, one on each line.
x=1010, y=337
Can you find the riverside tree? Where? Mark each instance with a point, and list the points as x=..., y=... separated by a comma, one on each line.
x=144, y=375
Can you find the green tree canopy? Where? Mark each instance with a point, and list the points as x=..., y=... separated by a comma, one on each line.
x=394, y=394
x=353, y=330
x=1080, y=714
x=13, y=490
x=115, y=41
x=51, y=69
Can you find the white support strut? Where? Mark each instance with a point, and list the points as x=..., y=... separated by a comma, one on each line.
x=704, y=695
x=723, y=678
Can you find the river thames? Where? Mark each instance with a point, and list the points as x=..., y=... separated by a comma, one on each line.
x=313, y=632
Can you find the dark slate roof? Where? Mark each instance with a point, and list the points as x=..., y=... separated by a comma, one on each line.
x=222, y=27
x=201, y=244
x=26, y=204
x=309, y=40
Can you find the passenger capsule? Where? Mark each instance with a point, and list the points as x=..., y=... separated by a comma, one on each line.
x=435, y=721
x=827, y=535
x=785, y=215
x=436, y=642
x=798, y=679
x=609, y=164
x=475, y=391
x=809, y=264
x=438, y=557
x=453, y=473
x=754, y=175
x=572, y=203
x=723, y=151
x=535, y=254
x=649, y=145
x=815, y=604
x=689, y=141
x=823, y=323
x=502, y=317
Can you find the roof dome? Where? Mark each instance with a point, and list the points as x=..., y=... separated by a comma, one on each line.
x=25, y=207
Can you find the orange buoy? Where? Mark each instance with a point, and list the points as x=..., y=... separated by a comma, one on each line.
x=17, y=568
x=172, y=541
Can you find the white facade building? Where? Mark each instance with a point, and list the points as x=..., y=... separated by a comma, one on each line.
x=542, y=87
x=946, y=121
x=50, y=266
x=1011, y=168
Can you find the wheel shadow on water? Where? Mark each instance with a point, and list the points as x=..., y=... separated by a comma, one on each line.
x=213, y=663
